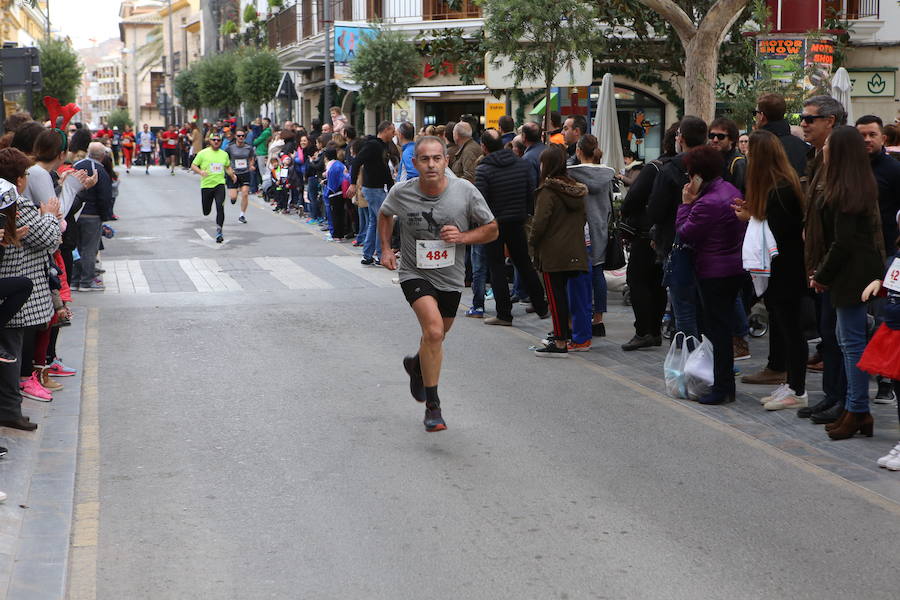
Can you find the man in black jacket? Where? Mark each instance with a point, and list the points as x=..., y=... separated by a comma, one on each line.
x=662, y=208
x=887, y=174
x=97, y=208
x=769, y=113
x=377, y=180
x=507, y=184
x=644, y=274
x=723, y=136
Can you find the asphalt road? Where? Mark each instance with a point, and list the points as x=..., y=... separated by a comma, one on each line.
x=257, y=440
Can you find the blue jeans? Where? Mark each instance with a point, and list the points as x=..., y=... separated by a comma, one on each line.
x=328, y=215
x=598, y=282
x=518, y=286
x=312, y=191
x=372, y=245
x=579, y=290
x=684, y=308
x=363, y=224
x=479, y=275
x=851, y=333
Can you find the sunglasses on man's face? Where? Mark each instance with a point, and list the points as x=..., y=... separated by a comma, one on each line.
x=718, y=136
x=214, y=140
x=240, y=135
x=808, y=119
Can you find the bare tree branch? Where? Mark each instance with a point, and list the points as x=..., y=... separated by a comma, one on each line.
x=721, y=17
x=674, y=14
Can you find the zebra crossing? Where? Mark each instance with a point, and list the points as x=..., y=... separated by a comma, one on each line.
x=224, y=275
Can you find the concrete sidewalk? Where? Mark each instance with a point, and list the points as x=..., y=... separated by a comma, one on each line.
x=38, y=475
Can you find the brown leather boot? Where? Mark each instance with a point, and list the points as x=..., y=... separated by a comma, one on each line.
x=43, y=375
x=837, y=423
x=853, y=423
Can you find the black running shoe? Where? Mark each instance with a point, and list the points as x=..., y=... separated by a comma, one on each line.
x=433, y=420
x=219, y=237
x=6, y=357
x=416, y=386
x=367, y=261
x=3, y=451
x=551, y=350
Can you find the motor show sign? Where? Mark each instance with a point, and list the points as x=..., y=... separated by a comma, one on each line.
x=797, y=57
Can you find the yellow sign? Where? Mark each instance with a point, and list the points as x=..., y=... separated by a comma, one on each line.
x=492, y=113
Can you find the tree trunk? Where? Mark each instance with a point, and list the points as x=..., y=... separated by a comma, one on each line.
x=700, y=70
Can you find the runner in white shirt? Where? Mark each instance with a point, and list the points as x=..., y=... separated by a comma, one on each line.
x=145, y=142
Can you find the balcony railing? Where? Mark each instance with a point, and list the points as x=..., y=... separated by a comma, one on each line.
x=388, y=11
x=282, y=28
x=851, y=10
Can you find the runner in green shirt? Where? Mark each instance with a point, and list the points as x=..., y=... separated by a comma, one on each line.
x=212, y=164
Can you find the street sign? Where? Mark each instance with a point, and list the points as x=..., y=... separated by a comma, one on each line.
x=21, y=67
x=873, y=84
x=571, y=74
x=492, y=113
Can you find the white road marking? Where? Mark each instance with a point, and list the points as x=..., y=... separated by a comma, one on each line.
x=377, y=275
x=208, y=239
x=207, y=275
x=292, y=275
x=125, y=277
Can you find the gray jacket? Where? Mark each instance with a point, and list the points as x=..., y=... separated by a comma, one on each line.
x=600, y=181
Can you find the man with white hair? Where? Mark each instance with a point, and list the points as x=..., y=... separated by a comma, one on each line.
x=467, y=152
x=97, y=208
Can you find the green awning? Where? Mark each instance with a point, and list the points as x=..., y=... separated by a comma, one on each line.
x=539, y=107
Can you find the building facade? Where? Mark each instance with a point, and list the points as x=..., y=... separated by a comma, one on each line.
x=22, y=24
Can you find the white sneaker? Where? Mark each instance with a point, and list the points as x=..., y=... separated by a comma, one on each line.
x=789, y=400
x=893, y=464
x=2, y=496
x=895, y=451
x=781, y=390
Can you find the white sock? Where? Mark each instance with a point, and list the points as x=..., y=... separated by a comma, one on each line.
x=242, y=213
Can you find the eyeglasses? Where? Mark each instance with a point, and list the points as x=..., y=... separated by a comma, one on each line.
x=808, y=119
x=717, y=136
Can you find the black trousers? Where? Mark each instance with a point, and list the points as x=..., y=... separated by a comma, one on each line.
x=512, y=235
x=558, y=302
x=790, y=345
x=15, y=292
x=648, y=296
x=718, y=295
x=10, y=398
x=338, y=215
x=217, y=194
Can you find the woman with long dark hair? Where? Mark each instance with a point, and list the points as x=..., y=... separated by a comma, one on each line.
x=557, y=238
x=844, y=254
x=774, y=195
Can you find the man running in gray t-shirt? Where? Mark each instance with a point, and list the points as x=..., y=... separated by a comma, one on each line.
x=243, y=161
x=435, y=213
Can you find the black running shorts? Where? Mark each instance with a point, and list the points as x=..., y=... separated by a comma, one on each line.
x=448, y=302
x=242, y=180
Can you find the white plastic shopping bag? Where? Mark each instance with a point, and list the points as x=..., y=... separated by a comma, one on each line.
x=673, y=367
x=699, y=374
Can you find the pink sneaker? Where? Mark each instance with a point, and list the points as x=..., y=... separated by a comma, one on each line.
x=32, y=388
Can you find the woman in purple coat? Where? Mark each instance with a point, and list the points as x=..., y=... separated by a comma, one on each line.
x=706, y=222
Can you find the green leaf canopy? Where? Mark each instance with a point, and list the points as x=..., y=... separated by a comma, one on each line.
x=386, y=66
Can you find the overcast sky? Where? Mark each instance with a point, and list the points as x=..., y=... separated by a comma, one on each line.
x=81, y=21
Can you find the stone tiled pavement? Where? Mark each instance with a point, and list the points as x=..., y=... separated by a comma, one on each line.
x=853, y=459
x=38, y=475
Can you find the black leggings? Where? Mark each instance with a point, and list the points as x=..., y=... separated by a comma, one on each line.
x=15, y=292
x=218, y=194
x=558, y=302
x=791, y=346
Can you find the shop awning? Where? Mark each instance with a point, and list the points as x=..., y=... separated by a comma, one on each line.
x=539, y=107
